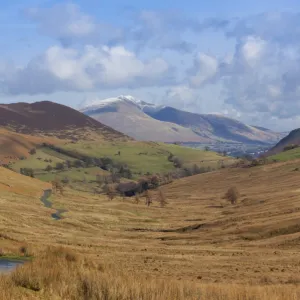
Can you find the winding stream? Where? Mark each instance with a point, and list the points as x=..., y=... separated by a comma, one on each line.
x=45, y=199
x=8, y=265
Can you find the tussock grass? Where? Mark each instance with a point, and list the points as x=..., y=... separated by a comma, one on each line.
x=61, y=274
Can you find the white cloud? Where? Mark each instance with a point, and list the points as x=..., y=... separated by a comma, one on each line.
x=182, y=97
x=65, y=69
x=260, y=79
x=69, y=24
x=205, y=69
x=252, y=50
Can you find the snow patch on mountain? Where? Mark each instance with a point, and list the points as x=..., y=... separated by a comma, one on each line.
x=94, y=104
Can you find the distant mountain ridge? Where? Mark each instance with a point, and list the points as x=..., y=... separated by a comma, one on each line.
x=146, y=121
x=128, y=116
x=47, y=117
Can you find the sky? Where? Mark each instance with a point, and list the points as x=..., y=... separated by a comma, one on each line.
x=238, y=58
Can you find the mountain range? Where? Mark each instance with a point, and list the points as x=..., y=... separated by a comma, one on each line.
x=146, y=121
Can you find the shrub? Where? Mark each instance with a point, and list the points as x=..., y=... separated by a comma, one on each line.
x=232, y=195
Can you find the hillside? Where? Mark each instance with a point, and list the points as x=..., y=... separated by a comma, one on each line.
x=145, y=121
x=198, y=244
x=70, y=146
x=49, y=118
x=16, y=145
x=216, y=126
x=127, y=117
x=293, y=138
x=79, y=163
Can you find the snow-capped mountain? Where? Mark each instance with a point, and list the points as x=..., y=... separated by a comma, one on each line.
x=96, y=104
x=146, y=121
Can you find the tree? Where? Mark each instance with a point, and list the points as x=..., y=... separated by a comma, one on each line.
x=162, y=198
x=154, y=181
x=196, y=169
x=78, y=163
x=170, y=157
x=59, y=166
x=57, y=186
x=177, y=162
x=27, y=172
x=137, y=198
x=115, y=177
x=69, y=164
x=148, y=198
x=232, y=195
x=66, y=180
x=49, y=168
x=143, y=185
x=99, y=179
x=290, y=147
x=32, y=151
x=206, y=148
x=110, y=191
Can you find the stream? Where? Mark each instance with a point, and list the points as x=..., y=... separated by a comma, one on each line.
x=45, y=200
x=8, y=265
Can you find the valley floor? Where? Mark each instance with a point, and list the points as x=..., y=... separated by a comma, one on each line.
x=197, y=247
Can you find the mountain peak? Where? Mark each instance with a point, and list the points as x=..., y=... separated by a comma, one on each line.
x=97, y=103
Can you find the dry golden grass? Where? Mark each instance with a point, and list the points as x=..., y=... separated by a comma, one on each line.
x=61, y=274
x=197, y=247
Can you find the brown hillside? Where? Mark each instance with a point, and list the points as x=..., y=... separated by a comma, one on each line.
x=14, y=145
x=46, y=116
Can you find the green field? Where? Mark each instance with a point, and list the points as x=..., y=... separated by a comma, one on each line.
x=38, y=161
x=142, y=157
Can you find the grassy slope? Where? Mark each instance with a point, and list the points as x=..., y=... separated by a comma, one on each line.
x=139, y=156
x=14, y=145
x=286, y=155
x=147, y=157
x=255, y=242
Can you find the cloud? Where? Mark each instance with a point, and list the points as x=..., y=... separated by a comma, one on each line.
x=260, y=79
x=67, y=69
x=205, y=69
x=164, y=30
x=70, y=25
x=262, y=76
x=182, y=97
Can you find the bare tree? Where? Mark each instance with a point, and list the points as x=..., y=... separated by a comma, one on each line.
x=57, y=186
x=162, y=198
x=232, y=195
x=137, y=198
x=148, y=198
x=110, y=191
